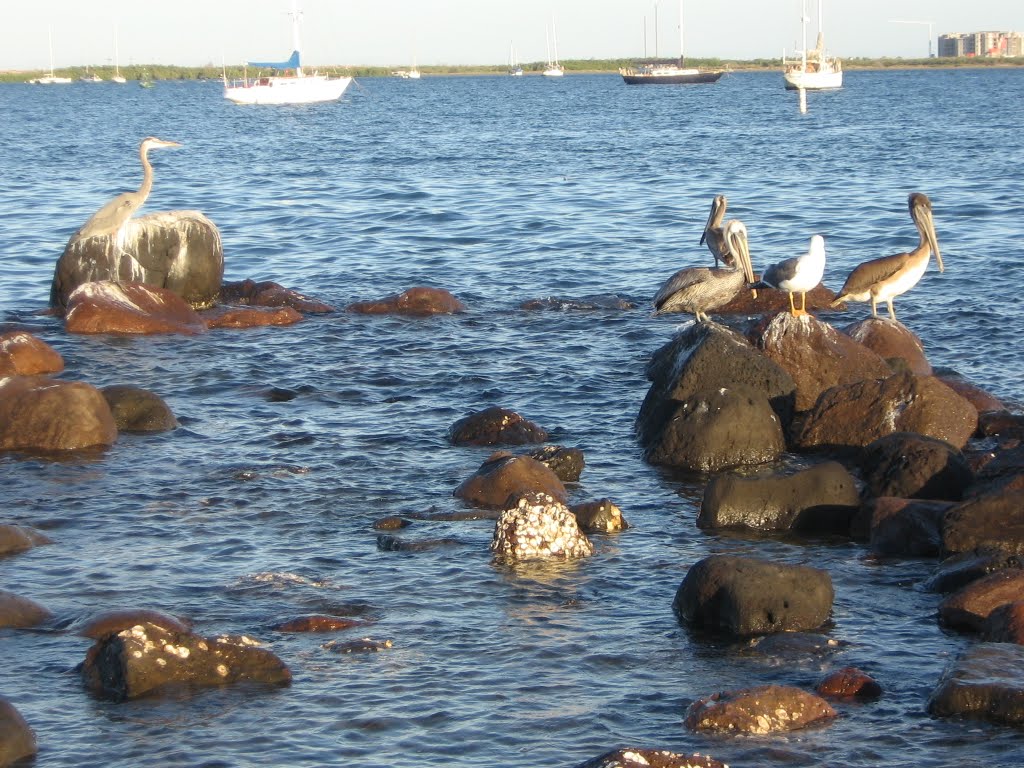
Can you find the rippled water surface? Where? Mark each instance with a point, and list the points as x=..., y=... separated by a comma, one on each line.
x=499, y=190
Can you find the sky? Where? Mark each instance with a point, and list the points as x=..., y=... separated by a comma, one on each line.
x=430, y=32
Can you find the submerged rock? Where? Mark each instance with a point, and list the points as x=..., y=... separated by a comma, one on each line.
x=20, y=538
x=629, y=757
x=249, y=317
x=495, y=426
x=760, y=710
x=600, y=516
x=20, y=612
x=417, y=302
x=986, y=682
x=24, y=355
x=503, y=476
x=43, y=414
x=270, y=294
x=849, y=683
x=17, y=739
x=566, y=463
x=138, y=410
x=538, y=526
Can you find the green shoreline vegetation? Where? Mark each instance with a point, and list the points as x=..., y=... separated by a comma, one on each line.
x=579, y=66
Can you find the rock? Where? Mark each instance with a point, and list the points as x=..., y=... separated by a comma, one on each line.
x=179, y=251
x=982, y=401
x=961, y=569
x=20, y=612
x=566, y=463
x=985, y=682
x=147, y=659
x=503, y=476
x=823, y=498
x=270, y=294
x=906, y=528
x=599, y=517
x=585, y=304
x=138, y=410
x=391, y=523
x=630, y=757
x=538, y=526
x=848, y=683
x=495, y=426
x=702, y=358
x=19, y=538
x=913, y=466
x=318, y=624
x=855, y=415
x=397, y=544
x=1001, y=423
x=970, y=606
x=23, y=354
x=43, y=414
x=1005, y=624
x=108, y=307
x=993, y=521
x=771, y=302
x=760, y=710
x=998, y=471
x=416, y=302
x=889, y=340
x=719, y=429
x=111, y=622
x=743, y=596
x=249, y=317
x=817, y=356
x=17, y=740
x=365, y=645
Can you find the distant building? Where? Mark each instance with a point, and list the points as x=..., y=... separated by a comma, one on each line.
x=996, y=44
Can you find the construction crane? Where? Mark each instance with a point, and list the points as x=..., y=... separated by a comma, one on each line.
x=928, y=24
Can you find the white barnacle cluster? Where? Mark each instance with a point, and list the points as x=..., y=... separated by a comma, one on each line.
x=237, y=640
x=539, y=526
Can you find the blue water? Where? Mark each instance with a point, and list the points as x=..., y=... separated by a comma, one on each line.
x=500, y=190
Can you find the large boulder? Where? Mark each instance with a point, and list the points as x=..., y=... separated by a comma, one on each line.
x=848, y=683
x=985, y=682
x=39, y=413
x=20, y=612
x=270, y=294
x=495, y=426
x=744, y=596
x=630, y=757
x=906, y=527
x=177, y=250
x=110, y=307
x=760, y=710
x=17, y=740
x=823, y=498
x=415, y=302
x=538, y=526
x=817, y=356
x=147, y=658
x=1005, y=624
x=23, y=354
x=992, y=521
x=969, y=607
x=504, y=475
x=567, y=463
x=20, y=538
x=138, y=410
x=914, y=466
x=852, y=416
x=961, y=569
x=892, y=341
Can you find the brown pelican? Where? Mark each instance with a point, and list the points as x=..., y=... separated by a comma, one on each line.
x=700, y=289
x=890, y=276
x=713, y=234
x=111, y=218
x=797, y=275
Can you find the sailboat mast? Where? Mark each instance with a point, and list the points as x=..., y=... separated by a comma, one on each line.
x=49, y=35
x=803, y=27
x=554, y=40
x=296, y=42
x=682, y=49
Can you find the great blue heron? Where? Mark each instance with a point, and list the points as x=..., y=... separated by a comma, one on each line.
x=112, y=217
x=797, y=275
x=701, y=289
x=890, y=276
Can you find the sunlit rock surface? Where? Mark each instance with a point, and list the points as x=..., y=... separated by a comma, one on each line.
x=23, y=354
x=39, y=413
x=538, y=526
x=109, y=307
x=761, y=710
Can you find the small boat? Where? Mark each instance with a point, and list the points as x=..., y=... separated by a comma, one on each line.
x=553, y=68
x=146, y=81
x=50, y=78
x=815, y=70
x=90, y=77
x=513, y=65
x=296, y=88
x=118, y=77
x=670, y=74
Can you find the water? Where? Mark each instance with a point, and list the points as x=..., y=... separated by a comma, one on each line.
x=499, y=190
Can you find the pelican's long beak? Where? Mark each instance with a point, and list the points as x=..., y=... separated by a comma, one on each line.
x=928, y=229
x=738, y=245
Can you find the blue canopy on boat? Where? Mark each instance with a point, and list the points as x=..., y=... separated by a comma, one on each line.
x=292, y=63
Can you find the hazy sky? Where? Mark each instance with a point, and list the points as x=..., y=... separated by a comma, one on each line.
x=395, y=32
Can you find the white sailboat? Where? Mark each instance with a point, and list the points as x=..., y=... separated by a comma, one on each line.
x=297, y=88
x=553, y=69
x=50, y=78
x=118, y=77
x=513, y=65
x=670, y=74
x=815, y=71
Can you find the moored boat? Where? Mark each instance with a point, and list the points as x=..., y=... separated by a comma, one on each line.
x=670, y=74
x=815, y=70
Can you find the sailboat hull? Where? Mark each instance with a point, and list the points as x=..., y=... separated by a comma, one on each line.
x=656, y=78
x=813, y=81
x=310, y=89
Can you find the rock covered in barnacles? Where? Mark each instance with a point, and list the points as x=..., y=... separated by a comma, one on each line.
x=538, y=526
x=651, y=758
x=601, y=516
x=762, y=709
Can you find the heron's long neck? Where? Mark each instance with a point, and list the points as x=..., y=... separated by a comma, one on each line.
x=147, y=174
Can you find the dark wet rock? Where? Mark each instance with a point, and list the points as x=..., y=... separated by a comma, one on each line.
x=22, y=354
x=969, y=607
x=17, y=739
x=538, y=526
x=913, y=466
x=985, y=682
x=1001, y=423
x=397, y=544
x=20, y=538
x=742, y=596
x=391, y=523
x=566, y=463
x=983, y=401
x=905, y=527
x=993, y=521
x=790, y=648
x=111, y=622
x=890, y=340
x=821, y=499
x=961, y=569
x=586, y=303
x=719, y=429
x=855, y=415
x=600, y=516
x=999, y=470
x=270, y=294
x=760, y=710
x=365, y=645
x=455, y=515
x=249, y=317
x=415, y=302
x=20, y=612
x=138, y=410
x=280, y=395
x=771, y=302
x=849, y=683
x=702, y=358
x=147, y=659
x=630, y=757
x=503, y=476
x=1005, y=624
x=179, y=251
x=495, y=426
x=135, y=308
x=39, y=413
x=816, y=356
x=318, y=623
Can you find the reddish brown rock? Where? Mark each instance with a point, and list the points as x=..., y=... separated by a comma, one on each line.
x=249, y=317
x=906, y=527
x=270, y=294
x=1001, y=423
x=771, y=302
x=891, y=340
x=495, y=426
x=19, y=538
x=17, y=740
x=38, y=413
x=979, y=398
x=108, y=307
x=20, y=612
x=138, y=410
x=504, y=475
x=111, y=622
x=817, y=356
x=760, y=710
x=970, y=606
x=1005, y=624
x=417, y=302
x=985, y=682
x=991, y=521
x=318, y=624
x=650, y=758
x=849, y=683
x=853, y=416
x=23, y=354
x=910, y=465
